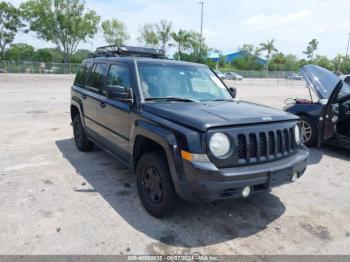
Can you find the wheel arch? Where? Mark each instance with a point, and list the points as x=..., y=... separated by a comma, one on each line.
x=148, y=136
x=76, y=108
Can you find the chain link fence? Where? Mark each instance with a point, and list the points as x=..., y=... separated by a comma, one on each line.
x=23, y=67
x=254, y=77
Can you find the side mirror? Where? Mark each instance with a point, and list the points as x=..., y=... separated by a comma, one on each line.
x=119, y=93
x=233, y=91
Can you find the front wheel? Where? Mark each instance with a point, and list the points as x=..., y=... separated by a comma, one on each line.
x=154, y=184
x=309, y=131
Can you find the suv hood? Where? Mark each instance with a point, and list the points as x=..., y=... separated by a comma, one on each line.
x=202, y=116
x=320, y=80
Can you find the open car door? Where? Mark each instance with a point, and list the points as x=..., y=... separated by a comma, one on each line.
x=326, y=85
x=329, y=116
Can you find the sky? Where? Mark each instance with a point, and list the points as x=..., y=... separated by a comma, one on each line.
x=228, y=24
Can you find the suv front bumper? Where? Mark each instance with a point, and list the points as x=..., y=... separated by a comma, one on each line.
x=204, y=182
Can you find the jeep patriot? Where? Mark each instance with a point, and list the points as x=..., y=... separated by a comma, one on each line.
x=181, y=129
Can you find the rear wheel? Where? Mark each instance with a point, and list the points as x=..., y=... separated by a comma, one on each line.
x=81, y=140
x=154, y=184
x=309, y=131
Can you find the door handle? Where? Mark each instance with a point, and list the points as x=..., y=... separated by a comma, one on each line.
x=84, y=97
x=102, y=105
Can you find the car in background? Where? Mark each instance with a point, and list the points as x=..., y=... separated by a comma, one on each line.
x=294, y=76
x=328, y=119
x=346, y=78
x=233, y=76
x=220, y=74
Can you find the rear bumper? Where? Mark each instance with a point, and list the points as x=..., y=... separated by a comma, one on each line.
x=204, y=182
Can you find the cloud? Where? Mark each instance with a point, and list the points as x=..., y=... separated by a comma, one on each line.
x=274, y=22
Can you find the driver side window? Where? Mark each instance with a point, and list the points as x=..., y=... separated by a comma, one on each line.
x=118, y=75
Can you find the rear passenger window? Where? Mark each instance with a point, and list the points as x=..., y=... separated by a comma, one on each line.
x=98, y=76
x=80, y=78
x=119, y=75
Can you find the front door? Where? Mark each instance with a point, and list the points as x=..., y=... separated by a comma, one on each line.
x=329, y=116
x=114, y=115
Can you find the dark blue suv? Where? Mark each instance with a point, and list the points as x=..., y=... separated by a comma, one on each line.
x=181, y=129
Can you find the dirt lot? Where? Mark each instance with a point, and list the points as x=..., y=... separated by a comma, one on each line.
x=55, y=199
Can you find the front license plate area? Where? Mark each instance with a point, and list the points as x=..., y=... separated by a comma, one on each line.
x=280, y=177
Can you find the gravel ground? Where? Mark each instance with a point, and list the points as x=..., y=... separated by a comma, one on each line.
x=56, y=200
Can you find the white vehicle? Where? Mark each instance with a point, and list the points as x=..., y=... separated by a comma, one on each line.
x=233, y=76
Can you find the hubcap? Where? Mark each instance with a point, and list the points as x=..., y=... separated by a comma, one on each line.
x=307, y=131
x=152, y=185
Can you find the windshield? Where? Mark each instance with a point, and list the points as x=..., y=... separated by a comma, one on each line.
x=191, y=83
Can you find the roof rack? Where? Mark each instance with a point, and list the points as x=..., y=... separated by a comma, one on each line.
x=116, y=50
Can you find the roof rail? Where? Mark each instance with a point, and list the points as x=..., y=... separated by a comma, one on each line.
x=116, y=50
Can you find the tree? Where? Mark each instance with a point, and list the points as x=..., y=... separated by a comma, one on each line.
x=323, y=61
x=149, y=36
x=197, y=46
x=164, y=33
x=156, y=35
x=80, y=55
x=48, y=55
x=115, y=32
x=311, y=48
x=10, y=23
x=66, y=23
x=182, y=39
x=277, y=61
x=20, y=52
x=269, y=47
x=292, y=63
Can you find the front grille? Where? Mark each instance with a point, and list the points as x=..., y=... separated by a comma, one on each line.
x=264, y=146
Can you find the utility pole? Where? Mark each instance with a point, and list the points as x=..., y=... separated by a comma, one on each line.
x=347, y=49
x=202, y=8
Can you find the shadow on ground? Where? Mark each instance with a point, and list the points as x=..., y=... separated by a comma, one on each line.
x=191, y=225
x=316, y=154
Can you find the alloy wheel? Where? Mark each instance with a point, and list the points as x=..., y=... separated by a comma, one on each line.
x=307, y=130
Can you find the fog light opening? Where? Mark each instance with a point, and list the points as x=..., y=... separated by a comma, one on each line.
x=246, y=191
x=294, y=177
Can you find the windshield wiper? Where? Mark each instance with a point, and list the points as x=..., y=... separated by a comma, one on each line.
x=222, y=99
x=171, y=98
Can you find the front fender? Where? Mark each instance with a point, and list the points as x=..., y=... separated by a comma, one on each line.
x=167, y=140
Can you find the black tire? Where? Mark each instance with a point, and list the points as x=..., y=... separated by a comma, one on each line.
x=81, y=140
x=154, y=184
x=309, y=131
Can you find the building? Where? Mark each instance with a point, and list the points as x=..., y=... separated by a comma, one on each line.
x=237, y=55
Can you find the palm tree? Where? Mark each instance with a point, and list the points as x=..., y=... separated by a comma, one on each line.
x=182, y=39
x=269, y=48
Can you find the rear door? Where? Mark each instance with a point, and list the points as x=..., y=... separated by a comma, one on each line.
x=114, y=115
x=91, y=97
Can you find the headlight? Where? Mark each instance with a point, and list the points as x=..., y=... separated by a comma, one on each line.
x=297, y=135
x=219, y=145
